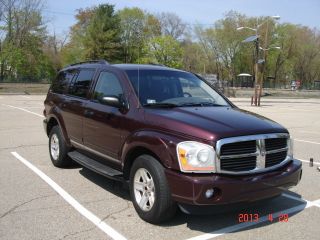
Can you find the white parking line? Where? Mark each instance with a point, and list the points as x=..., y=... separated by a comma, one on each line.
x=306, y=161
x=317, y=203
x=299, y=140
x=22, y=109
x=74, y=203
x=240, y=226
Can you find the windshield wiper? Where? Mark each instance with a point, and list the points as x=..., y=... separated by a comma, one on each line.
x=161, y=105
x=200, y=104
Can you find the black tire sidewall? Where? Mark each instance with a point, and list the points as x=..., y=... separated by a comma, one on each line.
x=63, y=159
x=155, y=214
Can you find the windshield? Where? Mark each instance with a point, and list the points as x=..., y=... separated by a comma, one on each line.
x=167, y=88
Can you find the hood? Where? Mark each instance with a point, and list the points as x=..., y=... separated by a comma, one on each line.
x=211, y=123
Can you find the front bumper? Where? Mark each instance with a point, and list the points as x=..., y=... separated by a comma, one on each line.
x=191, y=188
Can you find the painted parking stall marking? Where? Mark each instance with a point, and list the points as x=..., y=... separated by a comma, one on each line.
x=23, y=109
x=73, y=202
x=300, y=140
x=306, y=161
x=304, y=204
x=244, y=225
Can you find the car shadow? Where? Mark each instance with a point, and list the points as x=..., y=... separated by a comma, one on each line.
x=225, y=217
x=271, y=211
x=115, y=187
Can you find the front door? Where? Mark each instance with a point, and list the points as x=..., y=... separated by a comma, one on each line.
x=102, y=123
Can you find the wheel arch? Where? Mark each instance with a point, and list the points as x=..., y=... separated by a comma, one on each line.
x=54, y=121
x=132, y=155
x=151, y=143
x=50, y=124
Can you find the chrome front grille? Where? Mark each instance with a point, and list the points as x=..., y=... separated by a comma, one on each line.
x=275, y=158
x=251, y=154
x=239, y=164
x=275, y=143
x=238, y=148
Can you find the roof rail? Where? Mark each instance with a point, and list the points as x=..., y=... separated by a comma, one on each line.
x=90, y=61
x=157, y=64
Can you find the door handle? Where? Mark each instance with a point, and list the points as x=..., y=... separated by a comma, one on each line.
x=88, y=113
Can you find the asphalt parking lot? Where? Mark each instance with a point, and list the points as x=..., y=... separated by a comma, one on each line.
x=39, y=201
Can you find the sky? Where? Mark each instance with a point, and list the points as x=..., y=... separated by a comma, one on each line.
x=59, y=14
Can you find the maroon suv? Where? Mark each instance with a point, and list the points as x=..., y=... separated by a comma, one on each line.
x=176, y=140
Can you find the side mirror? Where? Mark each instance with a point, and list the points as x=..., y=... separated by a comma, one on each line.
x=115, y=102
x=111, y=100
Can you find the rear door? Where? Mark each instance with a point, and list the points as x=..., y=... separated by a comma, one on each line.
x=102, y=124
x=74, y=104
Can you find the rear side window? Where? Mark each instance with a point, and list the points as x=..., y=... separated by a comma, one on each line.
x=61, y=83
x=108, y=85
x=81, y=85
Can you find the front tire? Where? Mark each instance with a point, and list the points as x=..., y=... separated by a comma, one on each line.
x=58, y=149
x=149, y=190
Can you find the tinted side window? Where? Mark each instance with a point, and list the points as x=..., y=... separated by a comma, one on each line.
x=61, y=83
x=108, y=85
x=80, y=86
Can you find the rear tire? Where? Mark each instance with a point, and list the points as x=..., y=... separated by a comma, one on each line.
x=58, y=149
x=149, y=190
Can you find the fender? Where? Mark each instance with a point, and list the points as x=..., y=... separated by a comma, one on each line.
x=160, y=144
x=55, y=113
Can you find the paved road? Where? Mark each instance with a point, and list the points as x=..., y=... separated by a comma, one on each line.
x=79, y=204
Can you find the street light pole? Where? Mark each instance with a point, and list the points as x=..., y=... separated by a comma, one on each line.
x=254, y=39
x=265, y=54
x=256, y=73
x=256, y=66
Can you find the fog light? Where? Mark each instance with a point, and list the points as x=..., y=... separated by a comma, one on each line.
x=209, y=193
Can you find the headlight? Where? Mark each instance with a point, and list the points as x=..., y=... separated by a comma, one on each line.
x=290, y=147
x=196, y=157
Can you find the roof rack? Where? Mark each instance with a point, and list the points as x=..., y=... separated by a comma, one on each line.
x=90, y=61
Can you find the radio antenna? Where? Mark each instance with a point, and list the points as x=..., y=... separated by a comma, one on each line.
x=139, y=45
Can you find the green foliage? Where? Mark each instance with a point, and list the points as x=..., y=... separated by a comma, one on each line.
x=102, y=36
x=133, y=23
x=131, y=35
x=96, y=35
x=21, y=54
x=163, y=50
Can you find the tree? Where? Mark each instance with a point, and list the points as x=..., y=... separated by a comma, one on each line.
x=74, y=51
x=52, y=48
x=194, y=58
x=163, y=50
x=172, y=25
x=152, y=27
x=298, y=57
x=96, y=35
x=308, y=51
x=133, y=22
x=21, y=56
x=102, y=36
x=222, y=43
